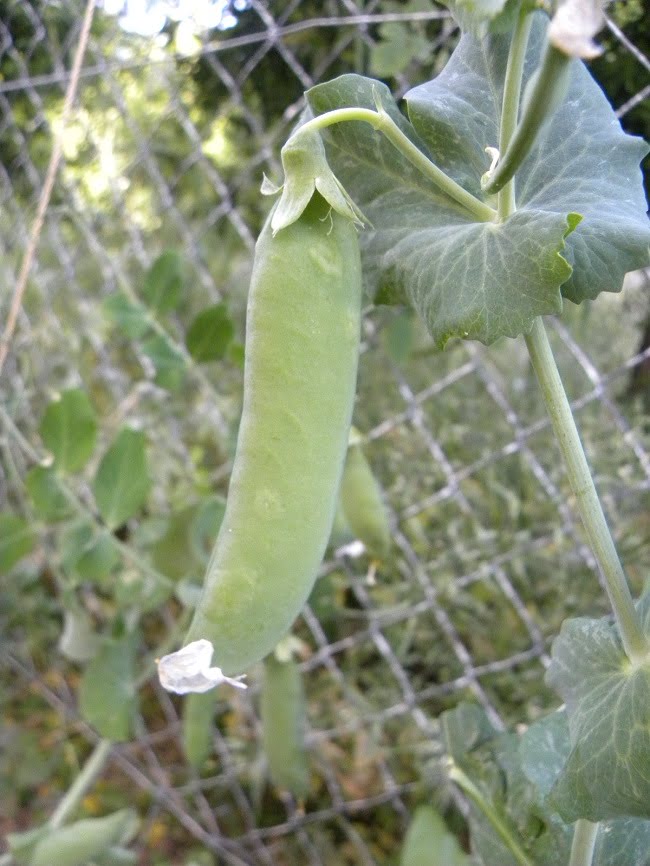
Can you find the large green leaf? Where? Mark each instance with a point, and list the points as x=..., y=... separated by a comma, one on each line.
x=107, y=694
x=608, y=706
x=466, y=279
x=16, y=540
x=122, y=481
x=69, y=430
x=485, y=280
x=581, y=163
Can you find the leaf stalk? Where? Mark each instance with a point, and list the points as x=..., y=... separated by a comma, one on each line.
x=584, y=842
x=384, y=123
x=492, y=815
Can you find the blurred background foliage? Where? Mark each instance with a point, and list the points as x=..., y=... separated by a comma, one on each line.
x=136, y=308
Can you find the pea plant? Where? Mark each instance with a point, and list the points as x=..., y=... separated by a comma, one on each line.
x=505, y=190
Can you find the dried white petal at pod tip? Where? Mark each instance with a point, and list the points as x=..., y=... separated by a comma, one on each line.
x=188, y=670
x=574, y=25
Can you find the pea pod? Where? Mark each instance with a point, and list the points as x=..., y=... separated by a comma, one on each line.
x=198, y=715
x=283, y=725
x=362, y=501
x=76, y=844
x=302, y=345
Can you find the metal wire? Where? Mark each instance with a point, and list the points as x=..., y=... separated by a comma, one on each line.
x=464, y=548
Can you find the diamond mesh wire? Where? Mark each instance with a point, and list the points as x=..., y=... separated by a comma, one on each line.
x=489, y=555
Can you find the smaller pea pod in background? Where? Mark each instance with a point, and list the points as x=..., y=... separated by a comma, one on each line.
x=363, y=502
x=283, y=712
x=198, y=717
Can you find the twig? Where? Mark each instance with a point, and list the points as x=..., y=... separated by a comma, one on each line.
x=48, y=186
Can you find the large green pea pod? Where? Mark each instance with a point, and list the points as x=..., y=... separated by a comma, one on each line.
x=283, y=725
x=363, y=503
x=198, y=716
x=428, y=842
x=302, y=346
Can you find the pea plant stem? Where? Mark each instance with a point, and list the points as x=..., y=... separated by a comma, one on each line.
x=510, y=107
x=546, y=92
x=384, y=123
x=84, y=780
x=584, y=841
x=588, y=503
x=493, y=816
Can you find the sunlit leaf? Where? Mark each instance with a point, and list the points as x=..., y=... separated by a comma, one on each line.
x=428, y=842
x=122, y=482
x=69, y=430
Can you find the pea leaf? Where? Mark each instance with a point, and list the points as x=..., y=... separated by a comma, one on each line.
x=544, y=749
x=163, y=283
x=608, y=707
x=16, y=540
x=210, y=334
x=482, y=16
x=78, y=641
x=486, y=280
x=122, y=482
x=44, y=490
x=107, y=695
x=89, y=554
x=169, y=363
x=130, y=318
x=172, y=554
x=428, y=842
x=397, y=46
x=69, y=430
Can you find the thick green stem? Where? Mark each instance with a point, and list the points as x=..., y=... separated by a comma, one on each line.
x=495, y=819
x=510, y=105
x=384, y=123
x=584, y=841
x=84, y=780
x=546, y=93
x=591, y=512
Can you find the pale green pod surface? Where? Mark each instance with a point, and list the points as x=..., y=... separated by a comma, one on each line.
x=283, y=726
x=428, y=842
x=363, y=504
x=302, y=344
x=76, y=844
x=198, y=716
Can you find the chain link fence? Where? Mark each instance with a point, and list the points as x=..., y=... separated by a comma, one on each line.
x=174, y=127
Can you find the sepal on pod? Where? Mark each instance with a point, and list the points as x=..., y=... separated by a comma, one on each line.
x=306, y=171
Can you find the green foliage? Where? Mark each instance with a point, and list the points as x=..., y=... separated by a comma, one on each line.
x=69, y=430
x=163, y=283
x=465, y=278
x=16, y=540
x=48, y=499
x=210, y=334
x=608, y=707
x=428, y=842
x=122, y=481
x=107, y=695
x=516, y=774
